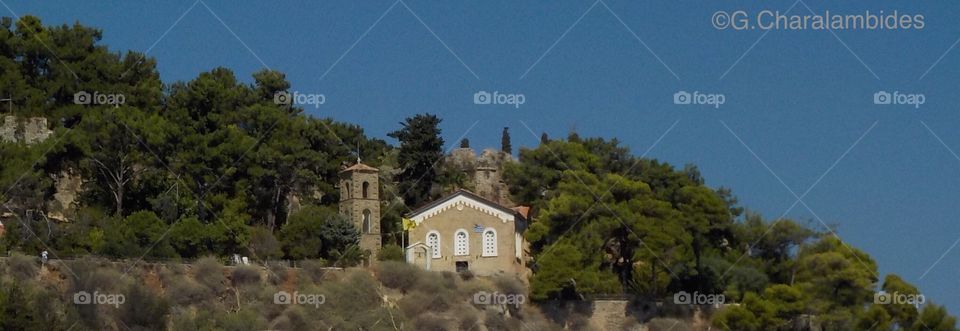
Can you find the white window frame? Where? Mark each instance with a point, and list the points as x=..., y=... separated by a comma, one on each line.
x=489, y=247
x=463, y=250
x=434, y=249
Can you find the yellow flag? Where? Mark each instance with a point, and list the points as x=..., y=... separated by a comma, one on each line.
x=408, y=224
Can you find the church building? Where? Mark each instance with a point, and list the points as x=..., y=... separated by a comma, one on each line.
x=465, y=232
x=460, y=232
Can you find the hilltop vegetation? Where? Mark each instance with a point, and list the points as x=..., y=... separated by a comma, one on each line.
x=214, y=166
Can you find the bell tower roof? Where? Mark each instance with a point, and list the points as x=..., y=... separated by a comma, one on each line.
x=360, y=167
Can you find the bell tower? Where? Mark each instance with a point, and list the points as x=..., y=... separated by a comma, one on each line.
x=360, y=202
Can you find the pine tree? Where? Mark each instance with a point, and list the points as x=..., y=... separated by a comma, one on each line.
x=505, y=141
x=421, y=148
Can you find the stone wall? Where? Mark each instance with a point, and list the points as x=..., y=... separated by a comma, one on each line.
x=31, y=130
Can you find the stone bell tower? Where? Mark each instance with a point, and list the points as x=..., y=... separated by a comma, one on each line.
x=360, y=202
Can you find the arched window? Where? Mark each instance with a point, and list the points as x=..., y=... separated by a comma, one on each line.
x=367, y=225
x=345, y=192
x=489, y=242
x=366, y=188
x=433, y=240
x=461, y=243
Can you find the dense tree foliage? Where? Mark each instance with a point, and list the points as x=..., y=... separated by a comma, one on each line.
x=611, y=223
x=421, y=150
x=197, y=167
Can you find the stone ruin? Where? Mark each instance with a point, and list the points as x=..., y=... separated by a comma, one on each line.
x=32, y=130
x=485, y=172
x=67, y=183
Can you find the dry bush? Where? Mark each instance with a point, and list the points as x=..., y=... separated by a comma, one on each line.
x=467, y=275
x=510, y=285
x=432, y=322
x=314, y=269
x=143, y=309
x=664, y=324
x=291, y=318
x=398, y=275
x=277, y=273
x=184, y=291
x=245, y=275
x=93, y=275
x=494, y=321
x=416, y=303
x=355, y=303
x=209, y=272
x=467, y=317
x=438, y=283
x=22, y=267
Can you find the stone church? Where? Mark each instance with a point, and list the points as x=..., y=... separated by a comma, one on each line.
x=465, y=232
x=462, y=231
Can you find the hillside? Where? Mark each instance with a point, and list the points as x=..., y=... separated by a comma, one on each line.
x=130, y=170
x=209, y=296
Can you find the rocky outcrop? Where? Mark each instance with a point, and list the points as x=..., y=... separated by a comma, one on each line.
x=485, y=172
x=68, y=185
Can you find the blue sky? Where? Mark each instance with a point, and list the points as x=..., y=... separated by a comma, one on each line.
x=798, y=108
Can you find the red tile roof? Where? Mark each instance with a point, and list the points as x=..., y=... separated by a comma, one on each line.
x=523, y=211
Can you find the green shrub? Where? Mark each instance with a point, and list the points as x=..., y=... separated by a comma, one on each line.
x=391, y=253
x=263, y=245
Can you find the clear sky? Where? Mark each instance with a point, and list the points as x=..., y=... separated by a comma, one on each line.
x=798, y=114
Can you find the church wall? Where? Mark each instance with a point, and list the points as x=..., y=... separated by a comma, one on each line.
x=449, y=221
